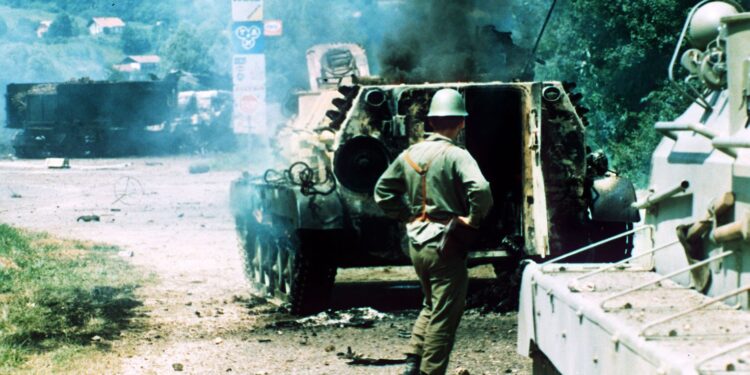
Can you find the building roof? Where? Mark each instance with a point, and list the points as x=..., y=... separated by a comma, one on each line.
x=142, y=59
x=108, y=21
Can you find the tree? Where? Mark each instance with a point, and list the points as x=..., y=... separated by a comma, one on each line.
x=617, y=51
x=62, y=27
x=185, y=50
x=135, y=41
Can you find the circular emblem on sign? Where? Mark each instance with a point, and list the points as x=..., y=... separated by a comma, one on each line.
x=248, y=35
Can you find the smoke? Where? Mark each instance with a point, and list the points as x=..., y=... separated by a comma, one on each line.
x=461, y=40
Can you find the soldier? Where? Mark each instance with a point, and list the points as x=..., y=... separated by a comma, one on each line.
x=429, y=184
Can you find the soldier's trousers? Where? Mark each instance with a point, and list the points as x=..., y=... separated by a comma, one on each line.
x=444, y=283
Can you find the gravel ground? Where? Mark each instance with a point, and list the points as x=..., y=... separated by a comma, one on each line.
x=199, y=314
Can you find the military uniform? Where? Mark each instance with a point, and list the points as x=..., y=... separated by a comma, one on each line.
x=452, y=186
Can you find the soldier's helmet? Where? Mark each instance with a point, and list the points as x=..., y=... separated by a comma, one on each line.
x=447, y=102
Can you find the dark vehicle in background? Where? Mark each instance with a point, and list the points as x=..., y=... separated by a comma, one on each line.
x=85, y=118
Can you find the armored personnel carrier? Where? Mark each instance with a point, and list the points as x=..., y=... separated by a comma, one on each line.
x=86, y=118
x=679, y=304
x=299, y=222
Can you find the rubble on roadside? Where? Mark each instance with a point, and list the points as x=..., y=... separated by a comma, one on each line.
x=362, y=317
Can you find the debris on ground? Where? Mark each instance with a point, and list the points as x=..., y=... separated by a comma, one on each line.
x=357, y=359
x=178, y=367
x=361, y=317
x=88, y=218
x=126, y=253
x=109, y=167
x=57, y=163
x=249, y=302
x=199, y=168
x=462, y=371
x=13, y=194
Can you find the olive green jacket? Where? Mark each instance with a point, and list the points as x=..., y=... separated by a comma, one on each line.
x=455, y=187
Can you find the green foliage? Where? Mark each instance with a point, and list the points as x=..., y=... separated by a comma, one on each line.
x=617, y=52
x=11, y=357
x=62, y=27
x=135, y=40
x=57, y=294
x=147, y=11
x=39, y=62
x=184, y=50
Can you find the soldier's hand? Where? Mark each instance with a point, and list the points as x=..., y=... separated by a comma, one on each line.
x=465, y=221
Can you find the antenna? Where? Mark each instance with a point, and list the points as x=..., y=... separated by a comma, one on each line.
x=530, y=61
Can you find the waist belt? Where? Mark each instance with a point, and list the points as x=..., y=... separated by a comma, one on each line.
x=422, y=171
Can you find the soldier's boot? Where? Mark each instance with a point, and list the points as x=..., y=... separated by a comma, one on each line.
x=412, y=364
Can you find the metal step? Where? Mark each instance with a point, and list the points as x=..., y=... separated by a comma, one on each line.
x=620, y=318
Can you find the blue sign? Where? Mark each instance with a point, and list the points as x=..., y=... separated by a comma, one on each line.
x=247, y=37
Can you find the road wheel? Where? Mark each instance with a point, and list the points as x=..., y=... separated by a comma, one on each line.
x=286, y=261
x=246, y=235
x=262, y=270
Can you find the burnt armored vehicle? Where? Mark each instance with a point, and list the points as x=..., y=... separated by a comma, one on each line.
x=85, y=118
x=300, y=222
x=679, y=305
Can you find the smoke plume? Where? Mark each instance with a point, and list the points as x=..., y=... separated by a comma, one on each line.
x=460, y=40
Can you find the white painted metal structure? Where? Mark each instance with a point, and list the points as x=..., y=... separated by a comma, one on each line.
x=646, y=315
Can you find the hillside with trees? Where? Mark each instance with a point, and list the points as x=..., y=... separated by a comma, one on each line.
x=49, y=41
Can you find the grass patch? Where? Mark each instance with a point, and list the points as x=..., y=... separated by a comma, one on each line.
x=56, y=295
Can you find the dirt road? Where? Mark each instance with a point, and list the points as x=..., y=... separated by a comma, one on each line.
x=199, y=314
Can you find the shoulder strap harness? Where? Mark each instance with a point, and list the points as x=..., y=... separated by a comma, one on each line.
x=422, y=171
